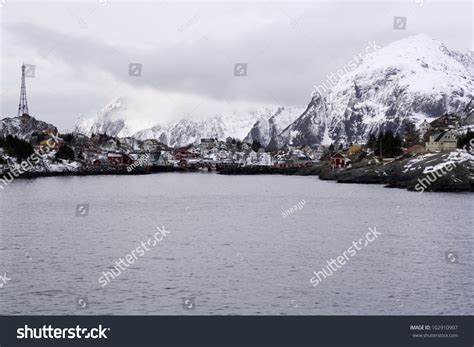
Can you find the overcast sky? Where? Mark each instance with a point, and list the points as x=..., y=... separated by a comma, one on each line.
x=82, y=51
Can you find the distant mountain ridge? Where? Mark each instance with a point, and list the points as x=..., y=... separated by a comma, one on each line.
x=408, y=81
x=111, y=120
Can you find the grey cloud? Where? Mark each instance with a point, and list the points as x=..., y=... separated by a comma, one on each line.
x=297, y=47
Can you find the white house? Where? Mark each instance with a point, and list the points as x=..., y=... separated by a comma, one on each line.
x=208, y=143
x=444, y=141
x=424, y=127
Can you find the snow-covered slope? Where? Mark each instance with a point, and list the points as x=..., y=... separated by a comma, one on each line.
x=156, y=132
x=410, y=80
x=186, y=131
x=266, y=129
x=114, y=119
x=23, y=126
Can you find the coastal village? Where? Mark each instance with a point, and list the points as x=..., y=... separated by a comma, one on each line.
x=24, y=139
x=101, y=152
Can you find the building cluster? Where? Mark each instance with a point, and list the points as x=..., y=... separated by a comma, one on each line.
x=212, y=153
x=441, y=136
x=102, y=151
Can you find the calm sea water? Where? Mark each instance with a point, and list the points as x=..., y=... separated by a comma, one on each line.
x=229, y=248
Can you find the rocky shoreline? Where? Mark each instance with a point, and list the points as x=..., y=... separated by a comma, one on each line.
x=437, y=172
x=423, y=173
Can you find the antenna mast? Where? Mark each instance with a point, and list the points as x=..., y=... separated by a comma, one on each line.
x=23, y=105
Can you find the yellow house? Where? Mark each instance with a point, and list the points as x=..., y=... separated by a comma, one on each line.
x=44, y=143
x=50, y=143
x=354, y=149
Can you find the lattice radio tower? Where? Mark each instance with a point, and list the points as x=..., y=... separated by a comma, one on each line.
x=23, y=105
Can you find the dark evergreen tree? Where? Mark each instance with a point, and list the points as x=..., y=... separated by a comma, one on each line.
x=68, y=138
x=65, y=152
x=466, y=140
x=256, y=145
x=391, y=144
x=371, y=143
x=412, y=136
x=17, y=148
x=331, y=148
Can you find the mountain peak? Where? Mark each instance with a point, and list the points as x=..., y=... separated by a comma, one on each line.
x=408, y=81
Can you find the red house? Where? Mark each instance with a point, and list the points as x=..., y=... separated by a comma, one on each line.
x=126, y=160
x=119, y=159
x=180, y=155
x=99, y=162
x=339, y=161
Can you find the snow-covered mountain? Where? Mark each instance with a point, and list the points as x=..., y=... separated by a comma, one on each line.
x=156, y=132
x=110, y=120
x=115, y=121
x=410, y=80
x=186, y=131
x=267, y=129
x=23, y=127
